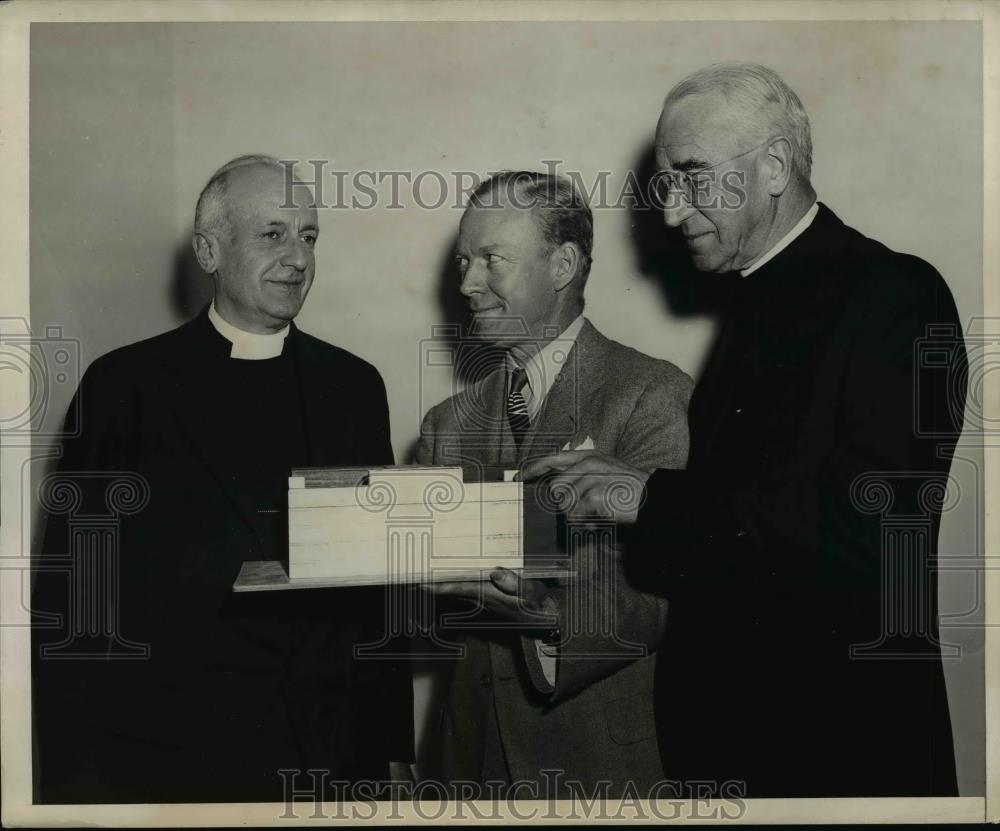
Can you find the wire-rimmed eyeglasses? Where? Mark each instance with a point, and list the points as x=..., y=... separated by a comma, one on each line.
x=694, y=184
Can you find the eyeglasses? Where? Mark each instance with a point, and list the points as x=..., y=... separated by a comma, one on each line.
x=690, y=183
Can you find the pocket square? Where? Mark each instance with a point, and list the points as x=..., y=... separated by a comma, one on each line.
x=586, y=444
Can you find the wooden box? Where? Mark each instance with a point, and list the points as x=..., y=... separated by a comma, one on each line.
x=406, y=524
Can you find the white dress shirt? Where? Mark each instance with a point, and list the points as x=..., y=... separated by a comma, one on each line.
x=541, y=371
x=543, y=367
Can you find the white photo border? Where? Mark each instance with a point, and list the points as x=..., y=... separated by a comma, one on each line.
x=15, y=723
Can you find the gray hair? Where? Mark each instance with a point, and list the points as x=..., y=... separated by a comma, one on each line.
x=211, y=215
x=757, y=93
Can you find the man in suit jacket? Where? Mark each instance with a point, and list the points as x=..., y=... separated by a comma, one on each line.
x=798, y=548
x=578, y=701
x=191, y=692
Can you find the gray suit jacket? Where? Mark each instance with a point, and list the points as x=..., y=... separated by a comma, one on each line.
x=498, y=716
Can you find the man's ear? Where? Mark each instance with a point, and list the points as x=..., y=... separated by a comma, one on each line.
x=779, y=165
x=206, y=249
x=565, y=263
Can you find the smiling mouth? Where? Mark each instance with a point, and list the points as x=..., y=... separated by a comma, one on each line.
x=488, y=309
x=692, y=237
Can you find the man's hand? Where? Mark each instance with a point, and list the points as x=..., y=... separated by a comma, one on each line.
x=585, y=483
x=509, y=596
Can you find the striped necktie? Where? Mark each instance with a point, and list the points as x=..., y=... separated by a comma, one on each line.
x=517, y=409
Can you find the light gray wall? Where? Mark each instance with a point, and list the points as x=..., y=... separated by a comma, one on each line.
x=128, y=121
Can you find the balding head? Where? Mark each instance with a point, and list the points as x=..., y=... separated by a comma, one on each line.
x=255, y=235
x=211, y=214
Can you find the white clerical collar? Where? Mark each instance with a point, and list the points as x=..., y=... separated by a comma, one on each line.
x=248, y=346
x=785, y=241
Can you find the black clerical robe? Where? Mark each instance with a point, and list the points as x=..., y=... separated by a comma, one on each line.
x=235, y=687
x=798, y=548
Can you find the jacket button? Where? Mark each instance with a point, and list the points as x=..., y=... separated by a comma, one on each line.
x=484, y=680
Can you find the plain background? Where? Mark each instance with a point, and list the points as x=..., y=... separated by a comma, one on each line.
x=129, y=120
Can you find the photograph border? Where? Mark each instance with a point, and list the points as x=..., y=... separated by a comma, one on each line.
x=15, y=722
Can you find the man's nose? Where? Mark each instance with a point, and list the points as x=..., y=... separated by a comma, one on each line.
x=677, y=209
x=297, y=255
x=473, y=281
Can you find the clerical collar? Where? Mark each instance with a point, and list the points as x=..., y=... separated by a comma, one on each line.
x=784, y=242
x=248, y=346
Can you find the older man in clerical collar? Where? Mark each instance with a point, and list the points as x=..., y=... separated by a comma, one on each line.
x=801, y=656
x=238, y=695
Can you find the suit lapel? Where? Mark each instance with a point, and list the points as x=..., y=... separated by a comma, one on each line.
x=561, y=416
x=490, y=441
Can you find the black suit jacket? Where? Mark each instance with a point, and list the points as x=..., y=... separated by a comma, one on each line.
x=797, y=550
x=235, y=686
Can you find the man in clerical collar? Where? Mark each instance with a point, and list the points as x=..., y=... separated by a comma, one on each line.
x=556, y=678
x=259, y=251
x=801, y=655
x=182, y=690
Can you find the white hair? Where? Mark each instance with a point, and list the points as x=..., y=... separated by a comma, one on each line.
x=211, y=215
x=760, y=98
